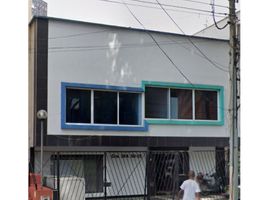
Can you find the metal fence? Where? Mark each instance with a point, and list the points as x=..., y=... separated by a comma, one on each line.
x=153, y=175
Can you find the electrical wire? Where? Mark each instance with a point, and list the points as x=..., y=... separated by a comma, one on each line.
x=78, y=34
x=167, y=5
x=127, y=46
x=130, y=45
x=200, y=51
x=213, y=16
x=194, y=53
x=70, y=36
x=162, y=50
x=104, y=47
x=192, y=1
x=204, y=3
x=86, y=48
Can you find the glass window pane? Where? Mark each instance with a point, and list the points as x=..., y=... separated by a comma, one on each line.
x=105, y=107
x=206, y=105
x=129, y=108
x=78, y=105
x=156, y=102
x=181, y=104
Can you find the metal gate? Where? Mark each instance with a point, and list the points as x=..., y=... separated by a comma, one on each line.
x=133, y=175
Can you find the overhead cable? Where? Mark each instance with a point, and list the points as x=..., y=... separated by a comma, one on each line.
x=192, y=1
x=205, y=56
x=167, y=5
x=162, y=50
x=213, y=16
x=204, y=3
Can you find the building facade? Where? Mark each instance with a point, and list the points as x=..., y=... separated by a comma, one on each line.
x=111, y=89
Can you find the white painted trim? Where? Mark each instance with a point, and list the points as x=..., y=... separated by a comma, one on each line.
x=118, y=108
x=142, y=108
x=168, y=104
x=193, y=104
x=92, y=107
x=218, y=106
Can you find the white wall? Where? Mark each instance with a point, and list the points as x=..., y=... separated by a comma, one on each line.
x=124, y=58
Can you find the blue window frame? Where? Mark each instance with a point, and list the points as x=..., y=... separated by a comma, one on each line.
x=101, y=107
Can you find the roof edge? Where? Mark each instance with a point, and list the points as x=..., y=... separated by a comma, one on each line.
x=123, y=27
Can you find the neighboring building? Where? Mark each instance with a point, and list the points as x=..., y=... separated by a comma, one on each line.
x=111, y=89
x=212, y=31
x=37, y=8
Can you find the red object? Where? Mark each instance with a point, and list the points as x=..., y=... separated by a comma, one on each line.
x=35, y=179
x=36, y=192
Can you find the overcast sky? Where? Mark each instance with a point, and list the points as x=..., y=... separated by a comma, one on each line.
x=193, y=17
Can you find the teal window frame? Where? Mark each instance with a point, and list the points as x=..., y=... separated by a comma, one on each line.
x=219, y=89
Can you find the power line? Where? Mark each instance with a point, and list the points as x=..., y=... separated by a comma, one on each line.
x=167, y=5
x=56, y=49
x=174, y=65
x=196, y=54
x=183, y=7
x=205, y=56
x=78, y=34
x=204, y=3
x=213, y=16
x=104, y=47
x=129, y=45
x=70, y=36
x=198, y=2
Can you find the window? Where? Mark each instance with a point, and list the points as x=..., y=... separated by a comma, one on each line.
x=129, y=111
x=206, y=105
x=105, y=107
x=181, y=104
x=78, y=106
x=156, y=102
x=75, y=167
x=102, y=108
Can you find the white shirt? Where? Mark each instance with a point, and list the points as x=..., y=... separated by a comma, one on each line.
x=190, y=187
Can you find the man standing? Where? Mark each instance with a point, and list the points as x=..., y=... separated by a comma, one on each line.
x=190, y=188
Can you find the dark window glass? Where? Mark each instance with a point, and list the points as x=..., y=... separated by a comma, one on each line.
x=206, y=105
x=105, y=107
x=78, y=105
x=129, y=108
x=181, y=104
x=156, y=102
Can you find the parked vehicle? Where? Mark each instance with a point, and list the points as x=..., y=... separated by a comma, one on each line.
x=210, y=184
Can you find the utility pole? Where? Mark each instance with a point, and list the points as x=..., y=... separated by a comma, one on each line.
x=233, y=170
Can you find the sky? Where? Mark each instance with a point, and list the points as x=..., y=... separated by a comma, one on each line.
x=191, y=15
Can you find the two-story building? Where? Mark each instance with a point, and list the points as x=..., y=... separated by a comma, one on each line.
x=112, y=95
